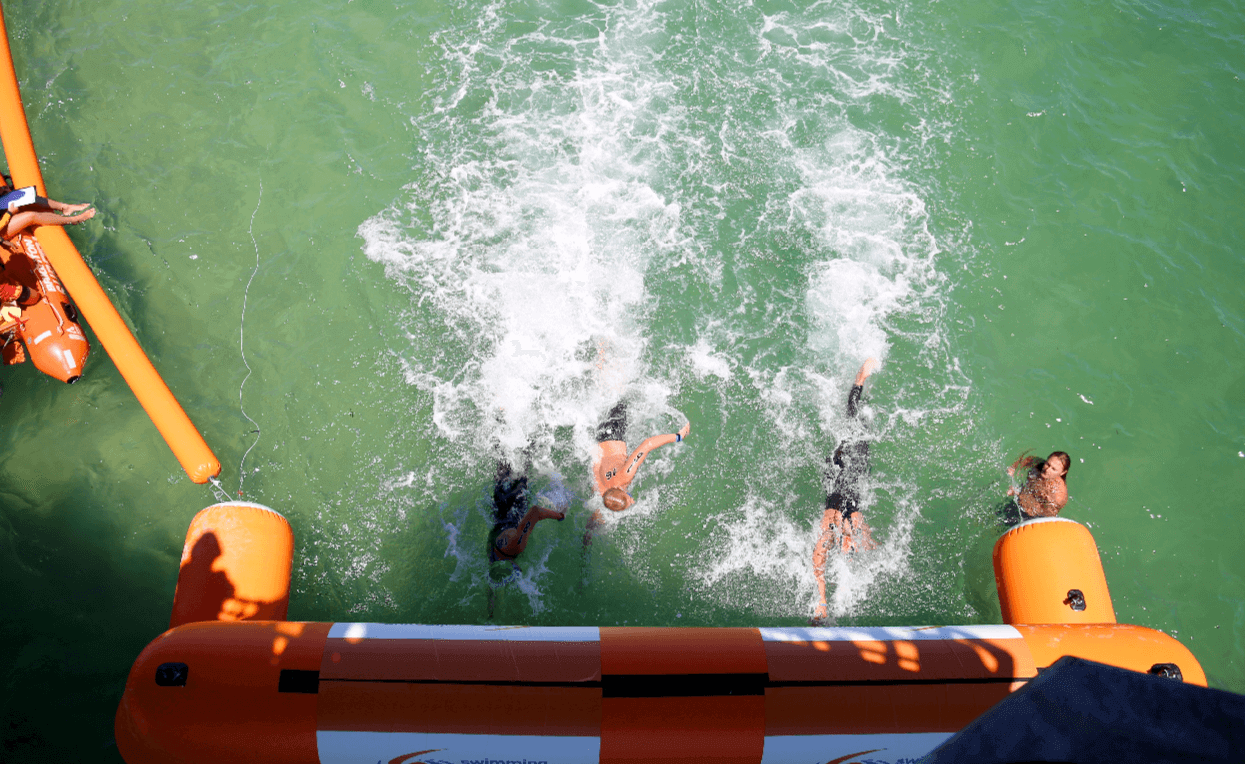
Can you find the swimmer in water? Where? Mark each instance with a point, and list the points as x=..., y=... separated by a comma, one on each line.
x=514, y=519
x=613, y=469
x=842, y=524
x=1045, y=492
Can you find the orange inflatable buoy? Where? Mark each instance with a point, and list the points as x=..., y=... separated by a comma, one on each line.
x=49, y=329
x=1048, y=571
x=235, y=565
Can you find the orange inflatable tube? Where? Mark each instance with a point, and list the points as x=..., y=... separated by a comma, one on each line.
x=224, y=685
x=150, y=390
x=1048, y=571
x=235, y=565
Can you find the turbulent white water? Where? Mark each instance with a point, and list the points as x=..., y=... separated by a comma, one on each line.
x=584, y=185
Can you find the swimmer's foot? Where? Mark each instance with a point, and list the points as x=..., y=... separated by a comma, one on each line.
x=865, y=370
x=70, y=209
x=79, y=218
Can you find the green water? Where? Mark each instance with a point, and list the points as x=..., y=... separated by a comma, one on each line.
x=372, y=247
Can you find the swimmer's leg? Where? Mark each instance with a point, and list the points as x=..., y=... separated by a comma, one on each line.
x=23, y=220
x=857, y=537
x=830, y=521
x=68, y=209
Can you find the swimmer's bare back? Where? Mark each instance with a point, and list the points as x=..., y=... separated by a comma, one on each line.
x=1043, y=497
x=615, y=468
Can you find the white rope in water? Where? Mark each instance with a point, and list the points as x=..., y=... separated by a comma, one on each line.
x=242, y=337
x=222, y=495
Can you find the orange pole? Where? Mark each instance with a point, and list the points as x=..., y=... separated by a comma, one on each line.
x=150, y=390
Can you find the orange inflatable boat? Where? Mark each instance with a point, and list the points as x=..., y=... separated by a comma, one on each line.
x=48, y=329
x=232, y=680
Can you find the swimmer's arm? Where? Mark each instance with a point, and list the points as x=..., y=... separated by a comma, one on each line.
x=637, y=457
x=510, y=542
x=1022, y=462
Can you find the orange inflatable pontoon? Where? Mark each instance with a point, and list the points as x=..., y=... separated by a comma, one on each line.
x=224, y=685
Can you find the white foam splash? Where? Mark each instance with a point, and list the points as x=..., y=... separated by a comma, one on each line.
x=872, y=282
x=529, y=240
x=566, y=165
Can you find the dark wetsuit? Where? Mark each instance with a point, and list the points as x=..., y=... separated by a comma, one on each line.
x=847, y=467
x=510, y=497
x=615, y=425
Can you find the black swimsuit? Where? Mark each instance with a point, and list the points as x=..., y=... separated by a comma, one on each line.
x=510, y=497
x=847, y=466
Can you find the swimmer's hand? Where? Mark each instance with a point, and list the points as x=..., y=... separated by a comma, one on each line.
x=683, y=433
x=1024, y=460
x=822, y=611
x=865, y=370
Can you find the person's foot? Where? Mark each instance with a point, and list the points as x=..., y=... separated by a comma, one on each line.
x=865, y=370
x=79, y=218
x=75, y=208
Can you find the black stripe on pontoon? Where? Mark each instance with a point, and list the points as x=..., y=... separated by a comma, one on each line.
x=297, y=680
x=681, y=685
x=900, y=682
x=626, y=686
x=469, y=682
x=691, y=685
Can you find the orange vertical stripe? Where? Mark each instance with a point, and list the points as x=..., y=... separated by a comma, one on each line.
x=722, y=730
x=631, y=651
